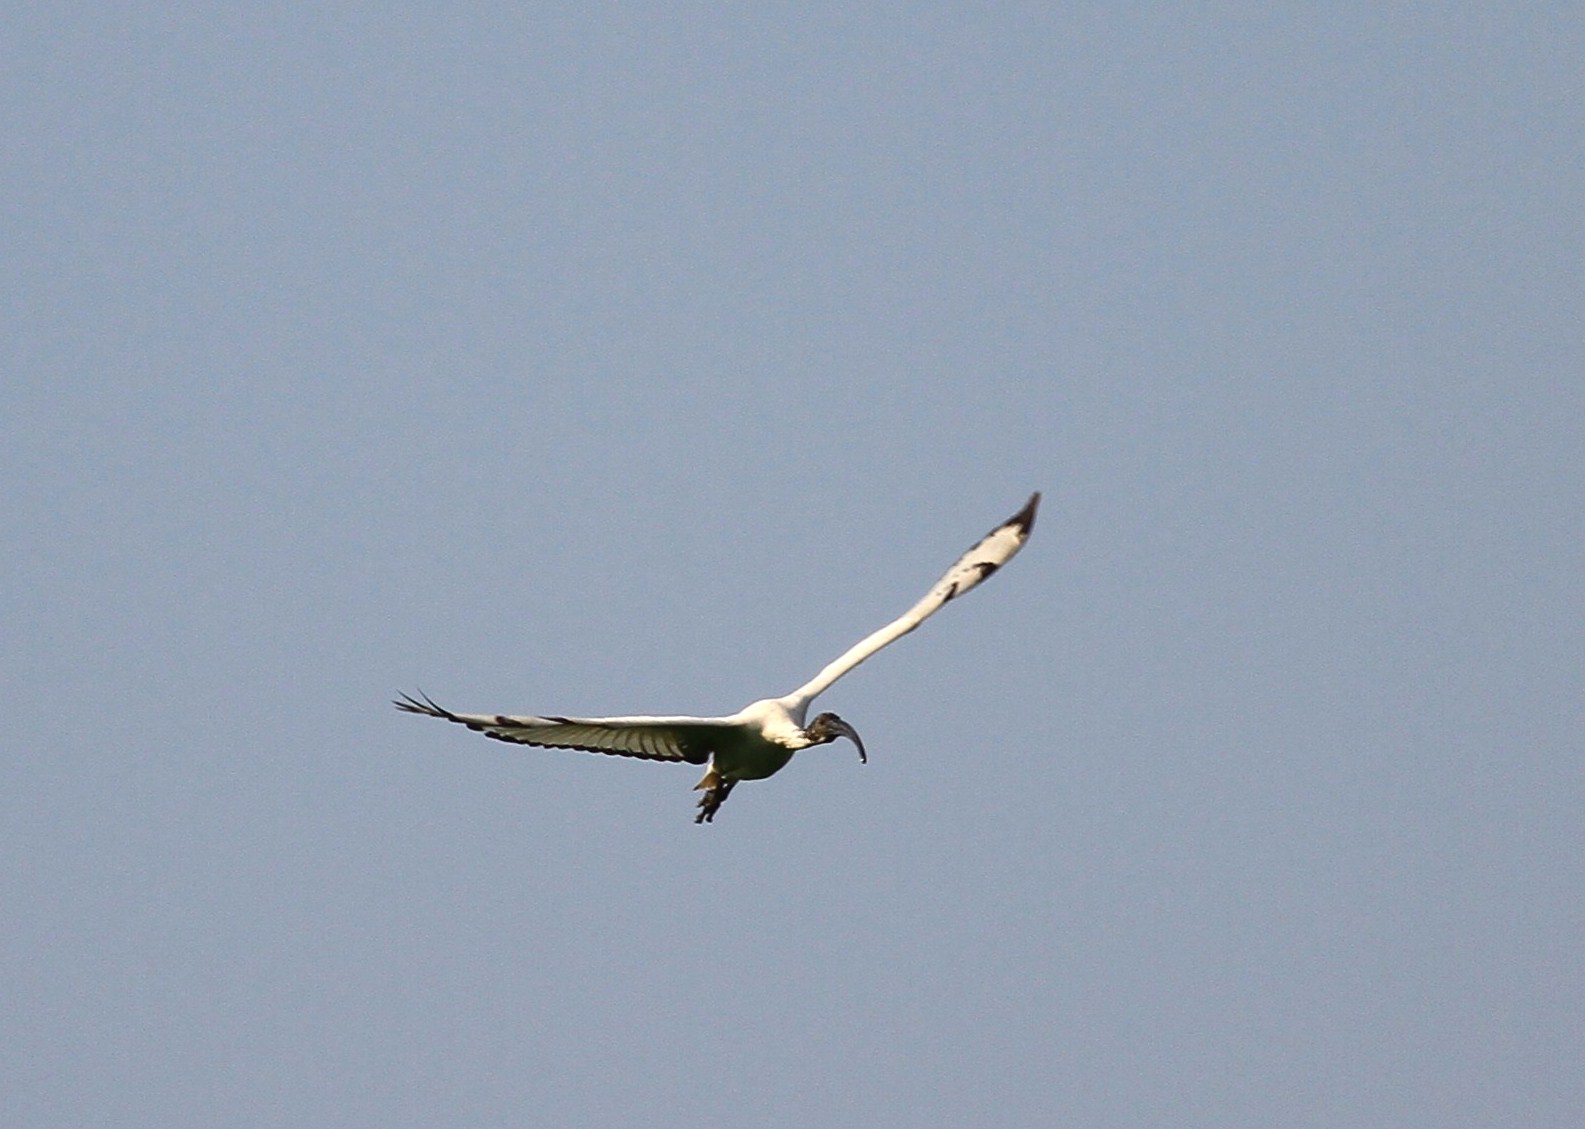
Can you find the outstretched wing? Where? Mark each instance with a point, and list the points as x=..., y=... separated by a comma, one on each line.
x=689, y=739
x=994, y=550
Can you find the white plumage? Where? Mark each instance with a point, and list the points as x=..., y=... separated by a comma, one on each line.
x=762, y=737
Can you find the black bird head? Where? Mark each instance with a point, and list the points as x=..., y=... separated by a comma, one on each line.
x=828, y=727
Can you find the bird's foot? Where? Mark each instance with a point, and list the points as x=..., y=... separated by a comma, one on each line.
x=716, y=788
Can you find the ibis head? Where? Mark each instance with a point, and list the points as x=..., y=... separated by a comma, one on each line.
x=828, y=727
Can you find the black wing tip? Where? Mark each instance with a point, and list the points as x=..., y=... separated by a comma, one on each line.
x=425, y=706
x=422, y=704
x=1024, y=519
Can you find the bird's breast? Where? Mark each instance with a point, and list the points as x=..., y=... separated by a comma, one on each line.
x=752, y=763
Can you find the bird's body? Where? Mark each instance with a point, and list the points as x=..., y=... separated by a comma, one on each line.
x=762, y=737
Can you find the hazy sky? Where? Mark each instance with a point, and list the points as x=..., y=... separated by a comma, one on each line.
x=626, y=359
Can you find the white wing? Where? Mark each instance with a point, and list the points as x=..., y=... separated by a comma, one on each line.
x=994, y=550
x=688, y=739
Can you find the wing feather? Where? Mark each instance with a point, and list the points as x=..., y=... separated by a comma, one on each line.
x=970, y=570
x=689, y=739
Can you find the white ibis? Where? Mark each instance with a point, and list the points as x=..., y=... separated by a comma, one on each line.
x=761, y=738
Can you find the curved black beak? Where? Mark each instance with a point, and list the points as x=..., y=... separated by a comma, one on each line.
x=839, y=728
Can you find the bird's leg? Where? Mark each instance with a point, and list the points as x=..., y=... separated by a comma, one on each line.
x=716, y=788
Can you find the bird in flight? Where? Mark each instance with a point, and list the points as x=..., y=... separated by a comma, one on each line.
x=762, y=737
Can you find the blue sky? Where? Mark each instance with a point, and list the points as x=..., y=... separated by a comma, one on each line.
x=639, y=359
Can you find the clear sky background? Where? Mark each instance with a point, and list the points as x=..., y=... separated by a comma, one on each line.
x=629, y=358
